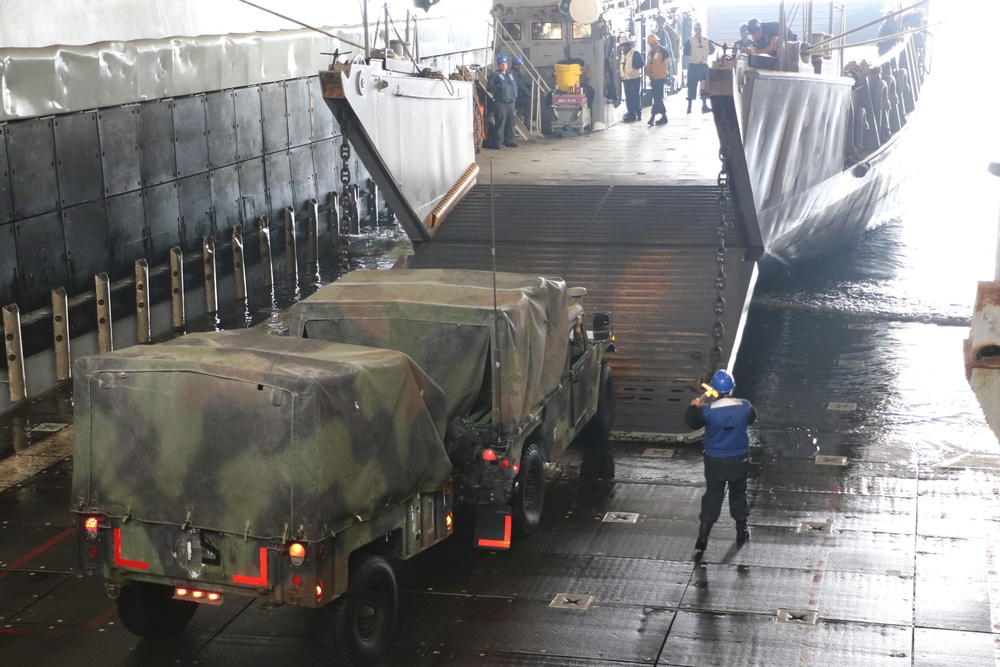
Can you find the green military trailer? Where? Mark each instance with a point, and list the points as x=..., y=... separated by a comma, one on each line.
x=244, y=464
x=522, y=374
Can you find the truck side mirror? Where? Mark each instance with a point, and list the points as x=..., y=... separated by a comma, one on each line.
x=602, y=327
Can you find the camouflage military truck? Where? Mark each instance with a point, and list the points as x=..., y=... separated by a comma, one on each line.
x=244, y=464
x=519, y=381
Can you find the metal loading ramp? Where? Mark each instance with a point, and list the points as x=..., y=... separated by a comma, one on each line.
x=647, y=254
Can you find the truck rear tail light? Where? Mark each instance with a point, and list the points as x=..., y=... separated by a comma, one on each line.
x=517, y=466
x=297, y=553
x=91, y=524
x=489, y=455
x=195, y=595
x=319, y=592
x=449, y=521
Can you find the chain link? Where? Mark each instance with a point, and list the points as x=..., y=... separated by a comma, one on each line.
x=345, y=180
x=725, y=218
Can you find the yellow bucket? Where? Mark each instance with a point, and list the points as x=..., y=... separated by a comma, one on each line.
x=567, y=77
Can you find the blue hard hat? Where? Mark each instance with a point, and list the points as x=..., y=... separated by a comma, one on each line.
x=502, y=58
x=518, y=60
x=753, y=25
x=723, y=382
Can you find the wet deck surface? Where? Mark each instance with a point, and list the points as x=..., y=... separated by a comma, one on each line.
x=887, y=556
x=632, y=214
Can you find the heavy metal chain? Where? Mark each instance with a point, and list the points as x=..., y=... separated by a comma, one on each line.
x=345, y=180
x=725, y=219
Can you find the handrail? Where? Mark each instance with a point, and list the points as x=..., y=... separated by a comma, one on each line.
x=874, y=40
x=538, y=84
x=869, y=24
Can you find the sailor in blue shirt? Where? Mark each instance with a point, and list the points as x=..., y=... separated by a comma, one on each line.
x=727, y=444
x=503, y=87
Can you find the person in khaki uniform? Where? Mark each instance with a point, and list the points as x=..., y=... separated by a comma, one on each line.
x=657, y=64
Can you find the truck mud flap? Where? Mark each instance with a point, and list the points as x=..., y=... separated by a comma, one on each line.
x=492, y=527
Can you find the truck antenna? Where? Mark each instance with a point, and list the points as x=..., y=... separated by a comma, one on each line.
x=496, y=334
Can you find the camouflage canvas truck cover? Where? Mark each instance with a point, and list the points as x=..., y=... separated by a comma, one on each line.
x=250, y=464
x=499, y=347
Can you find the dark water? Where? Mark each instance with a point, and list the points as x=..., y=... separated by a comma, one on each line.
x=880, y=325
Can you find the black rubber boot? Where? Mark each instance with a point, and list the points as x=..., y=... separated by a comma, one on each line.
x=742, y=533
x=689, y=106
x=704, y=107
x=703, y=532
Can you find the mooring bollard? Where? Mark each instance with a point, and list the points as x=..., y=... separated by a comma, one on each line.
x=143, y=331
x=12, y=345
x=239, y=269
x=105, y=336
x=291, y=251
x=177, y=287
x=60, y=333
x=208, y=264
x=265, y=252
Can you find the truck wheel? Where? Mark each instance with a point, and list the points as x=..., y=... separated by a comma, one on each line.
x=365, y=617
x=529, y=492
x=598, y=429
x=151, y=612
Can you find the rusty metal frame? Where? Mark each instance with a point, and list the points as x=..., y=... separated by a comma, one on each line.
x=177, y=287
x=239, y=267
x=291, y=249
x=143, y=331
x=15, y=353
x=60, y=333
x=208, y=266
x=105, y=334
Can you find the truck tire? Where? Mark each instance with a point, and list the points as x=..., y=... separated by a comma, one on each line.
x=364, y=618
x=149, y=610
x=529, y=493
x=598, y=429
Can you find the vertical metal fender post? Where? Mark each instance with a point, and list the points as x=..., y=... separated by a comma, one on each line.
x=335, y=217
x=143, y=331
x=313, y=231
x=105, y=337
x=265, y=252
x=208, y=266
x=239, y=268
x=177, y=287
x=60, y=333
x=12, y=345
x=291, y=252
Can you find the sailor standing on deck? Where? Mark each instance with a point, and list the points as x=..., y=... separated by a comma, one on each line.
x=727, y=447
x=503, y=87
x=630, y=69
x=657, y=67
x=697, y=49
x=744, y=43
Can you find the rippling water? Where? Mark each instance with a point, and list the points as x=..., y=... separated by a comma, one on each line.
x=881, y=324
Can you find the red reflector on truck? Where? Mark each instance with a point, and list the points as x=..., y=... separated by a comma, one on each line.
x=255, y=581
x=122, y=562
x=499, y=544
